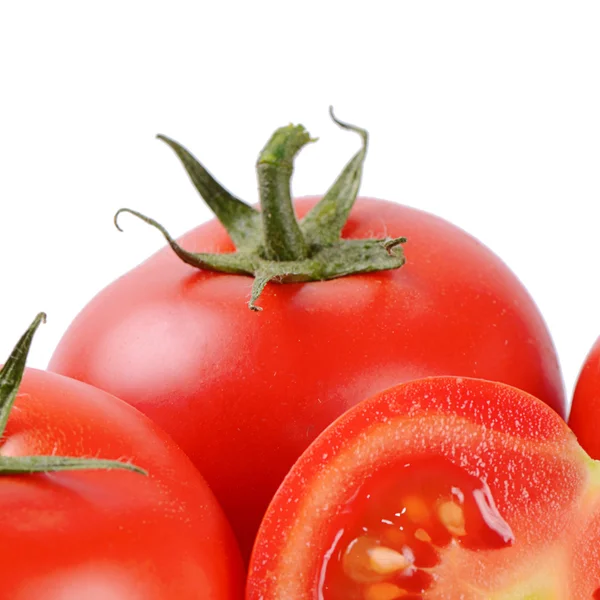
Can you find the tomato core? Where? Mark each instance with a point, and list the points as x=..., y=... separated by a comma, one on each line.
x=390, y=536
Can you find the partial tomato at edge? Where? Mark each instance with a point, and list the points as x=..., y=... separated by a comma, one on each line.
x=584, y=418
x=438, y=488
x=98, y=533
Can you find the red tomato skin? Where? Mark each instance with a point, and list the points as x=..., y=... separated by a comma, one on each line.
x=107, y=534
x=584, y=418
x=245, y=393
x=536, y=471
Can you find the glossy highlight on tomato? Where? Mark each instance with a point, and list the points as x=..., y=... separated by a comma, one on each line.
x=437, y=488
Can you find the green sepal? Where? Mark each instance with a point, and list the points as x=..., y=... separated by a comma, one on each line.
x=233, y=262
x=324, y=223
x=17, y=465
x=258, y=285
x=344, y=257
x=11, y=376
x=241, y=220
x=11, y=373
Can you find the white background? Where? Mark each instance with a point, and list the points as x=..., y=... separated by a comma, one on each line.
x=486, y=113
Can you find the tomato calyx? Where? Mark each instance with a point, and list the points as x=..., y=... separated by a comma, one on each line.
x=271, y=244
x=11, y=375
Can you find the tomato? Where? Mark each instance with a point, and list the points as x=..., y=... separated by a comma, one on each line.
x=437, y=488
x=585, y=408
x=245, y=392
x=105, y=533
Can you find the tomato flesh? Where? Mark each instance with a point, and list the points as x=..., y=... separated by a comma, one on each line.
x=390, y=535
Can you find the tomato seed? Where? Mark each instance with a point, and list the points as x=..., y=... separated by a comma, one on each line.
x=422, y=535
x=452, y=517
x=384, y=591
x=385, y=561
x=357, y=563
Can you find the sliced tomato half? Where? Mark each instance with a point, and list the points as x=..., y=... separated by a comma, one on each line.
x=439, y=488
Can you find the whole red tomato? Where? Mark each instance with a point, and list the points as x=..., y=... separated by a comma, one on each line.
x=97, y=533
x=245, y=392
x=585, y=409
x=438, y=488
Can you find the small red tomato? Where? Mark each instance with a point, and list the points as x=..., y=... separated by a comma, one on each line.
x=585, y=409
x=438, y=488
x=79, y=527
x=245, y=392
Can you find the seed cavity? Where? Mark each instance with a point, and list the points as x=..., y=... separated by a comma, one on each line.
x=452, y=517
x=397, y=526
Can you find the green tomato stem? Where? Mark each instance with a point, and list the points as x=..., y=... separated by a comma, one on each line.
x=283, y=239
x=272, y=246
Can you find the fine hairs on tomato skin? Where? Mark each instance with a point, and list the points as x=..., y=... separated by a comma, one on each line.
x=541, y=485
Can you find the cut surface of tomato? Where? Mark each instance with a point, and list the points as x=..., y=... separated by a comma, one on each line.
x=440, y=488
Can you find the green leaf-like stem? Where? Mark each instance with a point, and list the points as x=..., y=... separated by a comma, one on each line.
x=241, y=221
x=13, y=369
x=235, y=262
x=324, y=223
x=16, y=465
x=11, y=376
x=345, y=257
